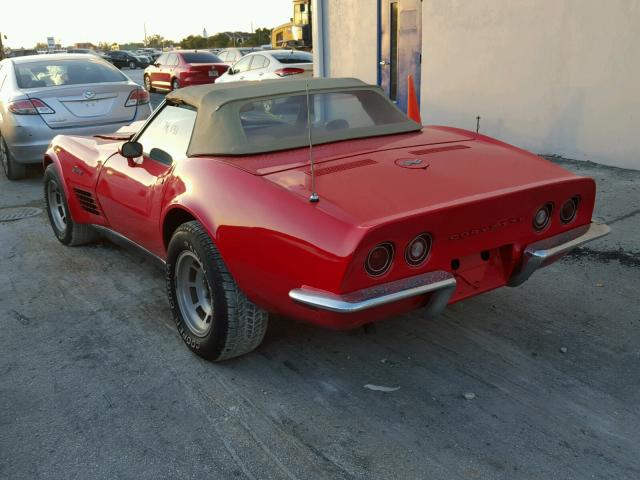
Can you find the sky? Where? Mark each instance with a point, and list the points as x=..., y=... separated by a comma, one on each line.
x=122, y=21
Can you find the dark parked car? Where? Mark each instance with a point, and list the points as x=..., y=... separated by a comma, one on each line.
x=122, y=58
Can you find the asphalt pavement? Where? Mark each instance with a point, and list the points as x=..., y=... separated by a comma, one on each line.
x=536, y=382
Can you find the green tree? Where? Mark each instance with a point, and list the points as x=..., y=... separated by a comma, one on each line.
x=222, y=40
x=259, y=37
x=193, y=42
x=157, y=41
x=219, y=40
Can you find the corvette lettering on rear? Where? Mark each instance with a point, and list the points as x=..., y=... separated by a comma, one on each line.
x=486, y=229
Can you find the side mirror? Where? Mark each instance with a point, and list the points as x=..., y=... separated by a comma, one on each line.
x=156, y=64
x=131, y=150
x=231, y=71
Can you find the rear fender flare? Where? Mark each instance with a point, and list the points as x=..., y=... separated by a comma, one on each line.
x=175, y=215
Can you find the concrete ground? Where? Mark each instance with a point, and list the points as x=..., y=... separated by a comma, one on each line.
x=96, y=383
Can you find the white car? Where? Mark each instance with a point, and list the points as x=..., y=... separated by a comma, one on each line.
x=270, y=64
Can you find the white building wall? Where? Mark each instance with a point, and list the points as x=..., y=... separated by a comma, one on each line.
x=552, y=76
x=351, y=38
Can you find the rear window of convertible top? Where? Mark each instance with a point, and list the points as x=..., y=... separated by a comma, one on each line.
x=360, y=112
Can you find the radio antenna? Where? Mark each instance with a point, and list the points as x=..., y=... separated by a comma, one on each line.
x=313, y=198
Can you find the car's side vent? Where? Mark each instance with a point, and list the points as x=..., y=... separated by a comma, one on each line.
x=87, y=201
x=427, y=151
x=342, y=167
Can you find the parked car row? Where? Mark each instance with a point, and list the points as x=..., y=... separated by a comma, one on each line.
x=183, y=68
x=78, y=93
x=81, y=93
x=151, y=54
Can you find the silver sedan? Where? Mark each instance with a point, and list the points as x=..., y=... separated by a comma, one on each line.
x=42, y=96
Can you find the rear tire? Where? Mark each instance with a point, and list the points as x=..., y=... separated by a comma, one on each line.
x=214, y=318
x=147, y=84
x=175, y=84
x=65, y=229
x=12, y=169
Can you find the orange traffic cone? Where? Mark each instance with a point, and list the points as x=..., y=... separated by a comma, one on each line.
x=413, y=108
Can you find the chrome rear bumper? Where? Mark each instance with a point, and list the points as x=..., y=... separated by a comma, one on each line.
x=439, y=284
x=539, y=254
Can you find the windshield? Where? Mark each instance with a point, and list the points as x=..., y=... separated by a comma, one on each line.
x=57, y=73
x=293, y=57
x=341, y=114
x=200, y=57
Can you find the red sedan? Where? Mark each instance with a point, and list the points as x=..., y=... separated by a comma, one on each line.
x=388, y=217
x=183, y=68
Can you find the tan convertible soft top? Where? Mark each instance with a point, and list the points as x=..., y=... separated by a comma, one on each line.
x=219, y=131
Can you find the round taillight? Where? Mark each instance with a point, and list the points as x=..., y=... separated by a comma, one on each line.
x=542, y=217
x=418, y=250
x=379, y=259
x=569, y=210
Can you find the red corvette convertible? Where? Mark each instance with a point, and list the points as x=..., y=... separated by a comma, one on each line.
x=317, y=200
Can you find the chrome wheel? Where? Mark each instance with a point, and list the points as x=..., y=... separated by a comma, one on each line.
x=132, y=65
x=56, y=206
x=193, y=294
x=4, y=156
x=175, y=85
x=147, y=84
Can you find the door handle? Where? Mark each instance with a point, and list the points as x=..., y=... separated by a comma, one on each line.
x=384, y=63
